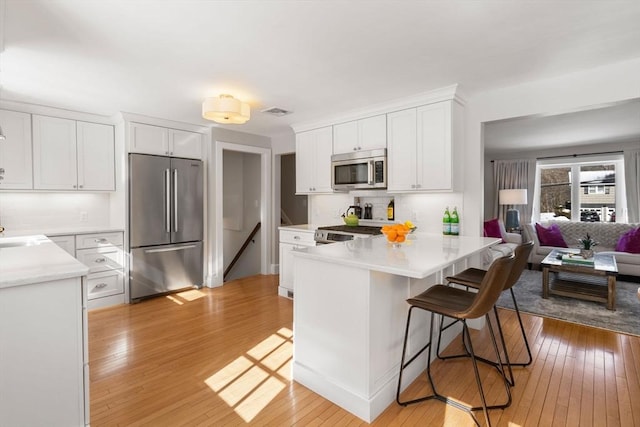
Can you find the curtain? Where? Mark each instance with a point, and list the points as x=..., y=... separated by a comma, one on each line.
x=514, y=174
x=632, y=183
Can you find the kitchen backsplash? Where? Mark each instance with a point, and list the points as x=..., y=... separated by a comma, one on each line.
x=424, y=210
x=51, y=211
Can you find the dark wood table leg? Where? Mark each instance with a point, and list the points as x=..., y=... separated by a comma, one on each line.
x=611, y=297
x=545, y=282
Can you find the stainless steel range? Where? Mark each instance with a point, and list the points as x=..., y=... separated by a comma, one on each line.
x=341, y=233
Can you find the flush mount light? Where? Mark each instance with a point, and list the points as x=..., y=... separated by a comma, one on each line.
x=226, y=109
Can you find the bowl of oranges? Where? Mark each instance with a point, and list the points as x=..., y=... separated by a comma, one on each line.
x=396, y=234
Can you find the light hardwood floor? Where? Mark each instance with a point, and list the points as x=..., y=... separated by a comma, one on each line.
x=222, y=357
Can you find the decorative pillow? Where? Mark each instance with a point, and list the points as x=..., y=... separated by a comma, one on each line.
x=629, y=242
x=492, y=229
x=550, y=236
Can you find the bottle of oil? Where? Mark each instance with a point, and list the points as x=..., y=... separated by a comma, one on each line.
x=390, y=211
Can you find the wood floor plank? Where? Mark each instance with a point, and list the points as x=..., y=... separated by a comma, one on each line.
x=220, y=357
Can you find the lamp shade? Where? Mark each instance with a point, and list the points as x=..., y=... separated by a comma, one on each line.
x=226, y=109
x=513, y=197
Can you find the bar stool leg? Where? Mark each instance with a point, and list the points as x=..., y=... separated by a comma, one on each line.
x=524, y=335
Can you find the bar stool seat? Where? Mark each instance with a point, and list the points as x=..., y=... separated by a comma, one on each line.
x=461, y=305
x=472, y=278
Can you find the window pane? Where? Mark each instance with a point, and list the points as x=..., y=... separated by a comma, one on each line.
x=599, y=202
x=555, y=193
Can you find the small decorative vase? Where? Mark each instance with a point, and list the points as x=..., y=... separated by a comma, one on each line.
x=586, y=253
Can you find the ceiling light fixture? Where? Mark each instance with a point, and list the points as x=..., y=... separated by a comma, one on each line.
x=226, y=109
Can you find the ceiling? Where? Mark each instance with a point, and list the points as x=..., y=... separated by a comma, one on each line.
x=316, y=58
x=601, y=124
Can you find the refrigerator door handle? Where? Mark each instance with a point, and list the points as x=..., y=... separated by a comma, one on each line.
x=175, y=200
x=167, y=205
x=180, y=248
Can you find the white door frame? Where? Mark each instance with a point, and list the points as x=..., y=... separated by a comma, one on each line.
x=216, y=232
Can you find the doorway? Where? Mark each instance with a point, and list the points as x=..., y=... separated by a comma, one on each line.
x=242, y=191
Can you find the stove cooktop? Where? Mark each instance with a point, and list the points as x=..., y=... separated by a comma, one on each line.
x=358, y=229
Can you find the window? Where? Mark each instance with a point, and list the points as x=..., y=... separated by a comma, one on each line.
x=579, y=189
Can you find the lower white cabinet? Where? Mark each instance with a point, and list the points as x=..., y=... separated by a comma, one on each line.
x=290, y=239
x=43, y=354
x=104, y=255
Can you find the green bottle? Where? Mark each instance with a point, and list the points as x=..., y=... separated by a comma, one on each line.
x=455, y=222
x=446, y=222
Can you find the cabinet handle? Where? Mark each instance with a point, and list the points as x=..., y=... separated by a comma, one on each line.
x=296, y=237
x=101, y=285
x=100, y=260
x=1, y=177
x=75, y=186
x=81, y=186
x=1, y=171
x=101, y=240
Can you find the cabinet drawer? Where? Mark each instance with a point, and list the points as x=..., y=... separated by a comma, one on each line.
x=98, y=240
x=101, y=259
x=68, y=243
x=105, y=284
x=297, y=237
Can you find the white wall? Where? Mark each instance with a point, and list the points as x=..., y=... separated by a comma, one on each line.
x=572, y=92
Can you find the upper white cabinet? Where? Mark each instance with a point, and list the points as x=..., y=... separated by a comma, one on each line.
x=149, y=139
x=423, y=144
x=363, y=134
x=96, y=156
x=70, y=155
x=15, y=151
x=313, y=161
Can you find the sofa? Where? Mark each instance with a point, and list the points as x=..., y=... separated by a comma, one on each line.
x=606, y=234
x=509, y=242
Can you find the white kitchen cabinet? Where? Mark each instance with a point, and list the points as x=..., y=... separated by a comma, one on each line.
x=149, y=139
x=313, y=161
x=15, y=151
x=364, y=134
x=70, y=155
x=43, y=354
x=96, y=157
x=104, y=255
x=54, y=154
x=290, y=239
x=423, y=144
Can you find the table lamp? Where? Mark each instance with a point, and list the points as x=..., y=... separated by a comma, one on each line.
x=511, y=198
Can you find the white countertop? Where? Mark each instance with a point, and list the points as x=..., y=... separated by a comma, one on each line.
x=61, y=231
x=299, y=227
x=33, y=259
x=420, y=256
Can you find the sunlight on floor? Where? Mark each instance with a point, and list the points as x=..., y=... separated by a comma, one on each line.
x=252, y=380
x=186, y=296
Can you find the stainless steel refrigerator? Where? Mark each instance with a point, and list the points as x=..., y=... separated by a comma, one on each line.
x=165, y=224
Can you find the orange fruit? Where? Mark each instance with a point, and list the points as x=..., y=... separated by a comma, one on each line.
x=401, y=238
x=391, y=235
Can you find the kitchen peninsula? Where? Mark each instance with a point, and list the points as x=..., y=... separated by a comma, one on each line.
x=43, y=334
x=350, y=313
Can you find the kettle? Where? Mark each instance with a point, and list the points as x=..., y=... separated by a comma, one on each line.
x=355, y=210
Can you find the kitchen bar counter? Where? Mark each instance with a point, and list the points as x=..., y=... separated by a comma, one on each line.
x=61, y=231
x=350, y=312
x=32, y=259
x=420, y=256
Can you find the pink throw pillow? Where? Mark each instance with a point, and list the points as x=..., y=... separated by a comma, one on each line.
x=492, y=229
x=550, y=236
x=629, y=242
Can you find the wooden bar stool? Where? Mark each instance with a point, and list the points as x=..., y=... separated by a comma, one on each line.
x=472, y=278
x=460, y=305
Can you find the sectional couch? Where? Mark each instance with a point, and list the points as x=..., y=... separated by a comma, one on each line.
x=605, y=233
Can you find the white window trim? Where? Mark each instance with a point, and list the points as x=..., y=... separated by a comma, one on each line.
x=574, y=163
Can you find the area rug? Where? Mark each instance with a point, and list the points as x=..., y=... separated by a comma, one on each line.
x=625, y=319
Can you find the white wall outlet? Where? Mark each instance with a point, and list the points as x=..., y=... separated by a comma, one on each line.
x=84, y=216
x=414, y=216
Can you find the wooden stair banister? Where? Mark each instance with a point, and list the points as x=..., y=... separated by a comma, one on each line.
x=239, y=254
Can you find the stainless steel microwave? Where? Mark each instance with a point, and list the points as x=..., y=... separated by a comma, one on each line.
x=359, y=170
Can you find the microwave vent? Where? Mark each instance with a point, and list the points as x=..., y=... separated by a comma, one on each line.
x=276, y=111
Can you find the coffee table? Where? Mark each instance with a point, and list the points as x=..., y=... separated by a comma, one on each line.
x=595, y=282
